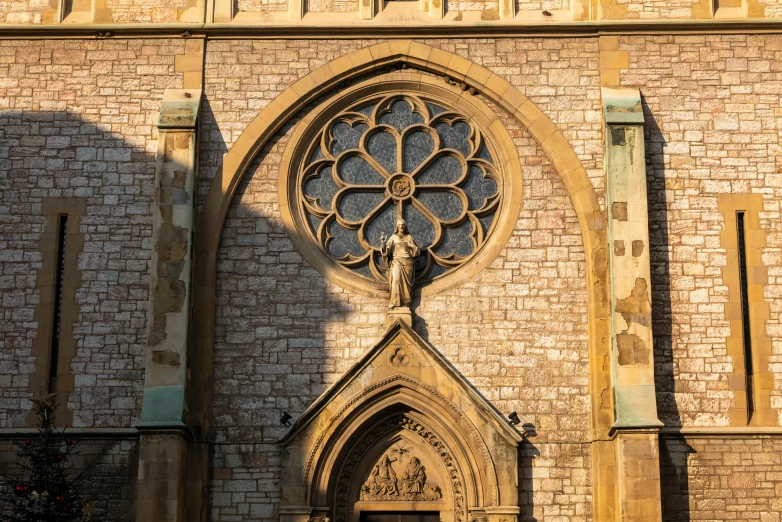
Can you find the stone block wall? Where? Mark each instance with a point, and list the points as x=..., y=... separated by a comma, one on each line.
x=266, y=6
x=713, y=112
x=283, y=333
x=78, y=121
x=716, y=478
x=27, y=11
x=145, y=11
x=324, y=6
x=654, y=9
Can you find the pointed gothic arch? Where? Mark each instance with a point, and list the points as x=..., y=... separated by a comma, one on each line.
x=401, y=392
x=467, y=79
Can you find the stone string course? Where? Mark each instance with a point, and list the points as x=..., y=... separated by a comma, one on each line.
x=78, y=120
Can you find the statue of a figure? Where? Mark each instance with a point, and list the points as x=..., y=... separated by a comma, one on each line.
x=413, y=478
x=382, y=479
x=400, y=252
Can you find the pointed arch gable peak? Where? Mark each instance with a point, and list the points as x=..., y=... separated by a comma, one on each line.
x=401, y=358
x=401, y=385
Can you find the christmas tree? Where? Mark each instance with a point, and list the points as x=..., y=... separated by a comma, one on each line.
x=46, y=488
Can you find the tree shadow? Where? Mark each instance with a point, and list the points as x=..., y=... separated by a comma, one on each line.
x=674, y=451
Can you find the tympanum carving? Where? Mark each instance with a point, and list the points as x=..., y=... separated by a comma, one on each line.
x=384, y=484
x=407, y=480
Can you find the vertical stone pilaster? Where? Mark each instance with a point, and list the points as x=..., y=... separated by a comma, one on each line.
x=635, y=407
x=367, y=9
x=163, y=455
x=436, y=8
x=507, y=9
x=223, y=11
x=162, y=459
x=638, y=466
x=580, y=10
x=296, y=9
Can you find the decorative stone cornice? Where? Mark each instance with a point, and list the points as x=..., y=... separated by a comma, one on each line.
x=371, y=29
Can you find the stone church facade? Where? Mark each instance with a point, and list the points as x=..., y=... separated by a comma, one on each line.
x=195, y=198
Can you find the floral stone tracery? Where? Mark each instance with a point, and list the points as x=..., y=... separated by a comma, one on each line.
x=399, y=157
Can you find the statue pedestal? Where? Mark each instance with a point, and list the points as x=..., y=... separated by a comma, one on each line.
x=402, y=313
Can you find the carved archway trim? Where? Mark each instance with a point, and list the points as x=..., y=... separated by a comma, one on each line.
x=377, y=386
x=479, y=475
x=473, y=441
x=472, y=78
x=425, y=88
x=410, y=423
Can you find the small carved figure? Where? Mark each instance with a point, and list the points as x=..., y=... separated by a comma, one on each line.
x=400, y=252
x=382, y=479
x=413, y=478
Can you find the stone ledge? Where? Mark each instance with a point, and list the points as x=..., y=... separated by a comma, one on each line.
x=725, y=431
x=371, y=29
x=82, y=433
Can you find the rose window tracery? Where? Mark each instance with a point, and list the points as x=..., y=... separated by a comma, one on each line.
x=399, y=156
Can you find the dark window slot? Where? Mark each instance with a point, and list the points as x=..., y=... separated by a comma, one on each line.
x=54, y=351
x=746, y=332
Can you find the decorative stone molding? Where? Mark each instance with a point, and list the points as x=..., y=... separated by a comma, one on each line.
x=339, y=456
x=314, y=182
x=761, y=380
x=345, y=70
x=53, y=208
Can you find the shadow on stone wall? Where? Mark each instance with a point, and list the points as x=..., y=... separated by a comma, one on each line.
x=674, y=452
x=60, y=155
x=271, y=317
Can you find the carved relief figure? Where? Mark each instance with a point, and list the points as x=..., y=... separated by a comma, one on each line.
x=382, y=480
x=399, y=253
x=413, y=478
x=383, y=484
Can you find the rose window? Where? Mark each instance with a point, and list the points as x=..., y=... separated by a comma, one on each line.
x=395, y=157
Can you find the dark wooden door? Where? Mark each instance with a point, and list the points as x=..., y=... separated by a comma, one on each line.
x=400, y=516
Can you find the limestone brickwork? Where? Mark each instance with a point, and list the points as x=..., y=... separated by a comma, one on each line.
x=713, y=478
x=27, y=12
x=79, y=122
x=266, y=6
x=266, y=333
x=712, y=134
x=334, y=6
x=144, y=11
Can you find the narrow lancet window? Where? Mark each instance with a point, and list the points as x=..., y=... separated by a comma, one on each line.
x=747, y=334
x=54, y=352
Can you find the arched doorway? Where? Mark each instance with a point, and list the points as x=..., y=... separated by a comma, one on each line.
x=401, y=436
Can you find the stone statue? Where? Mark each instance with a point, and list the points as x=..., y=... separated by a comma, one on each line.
x=413, y=478
x=382, y=479
x=400, y=252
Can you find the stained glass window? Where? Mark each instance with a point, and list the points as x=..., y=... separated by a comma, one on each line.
x=393, y=157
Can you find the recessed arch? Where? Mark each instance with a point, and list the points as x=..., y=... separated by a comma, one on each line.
x=472, y=79
x=466, y=443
